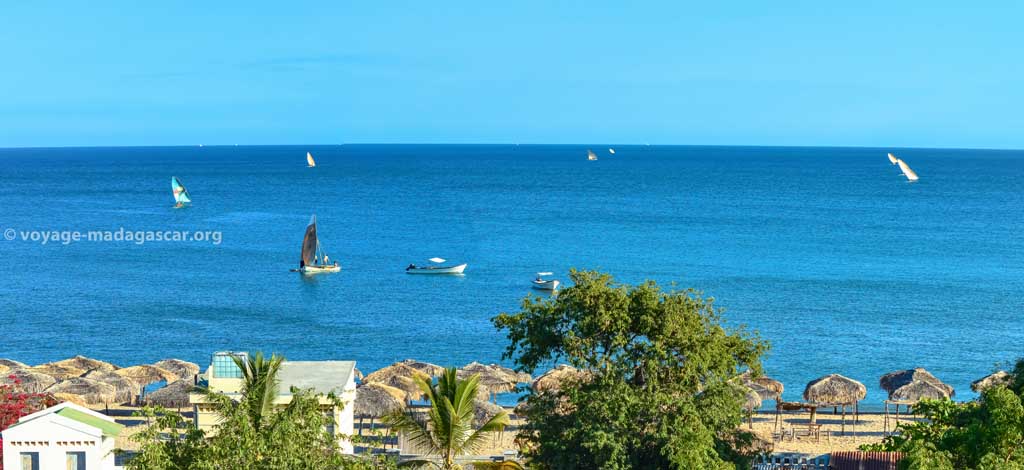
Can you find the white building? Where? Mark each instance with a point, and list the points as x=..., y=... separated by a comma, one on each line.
x=322, y=377
x=62, y=436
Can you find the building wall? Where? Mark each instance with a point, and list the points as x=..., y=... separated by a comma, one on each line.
x=52, y=440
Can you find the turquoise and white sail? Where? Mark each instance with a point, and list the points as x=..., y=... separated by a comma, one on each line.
x=181, y=196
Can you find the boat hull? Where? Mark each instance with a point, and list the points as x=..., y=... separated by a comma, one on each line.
x=437, y=270
x=319, y=269
x=546, y=285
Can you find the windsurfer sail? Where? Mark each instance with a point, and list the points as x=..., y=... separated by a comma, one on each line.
x=181, y=196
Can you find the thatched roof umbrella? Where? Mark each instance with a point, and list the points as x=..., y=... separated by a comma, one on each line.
x=172, y=395
x=85, y=363
x=432, y=370
x=183, y=369
x=57, y=371
x=835, y=390
x=126, y=389
x=494, y=378
x=399, y=376
x=484, y=410
x=376, y=399
x=28, y=380
x=146, y=374
x=1000, y=377
x=90, y=392
x=8, y=364
x=752, y=401
x=552, y=379
x=894, y=380
x=919, y=390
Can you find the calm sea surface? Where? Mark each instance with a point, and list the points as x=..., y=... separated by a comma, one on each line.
x=834, y=257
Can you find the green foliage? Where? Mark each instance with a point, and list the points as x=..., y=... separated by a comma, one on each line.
x=447, y=429
x=987, y=434
x=655, y=392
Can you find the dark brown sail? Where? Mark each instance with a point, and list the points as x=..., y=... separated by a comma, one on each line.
x=309, y=244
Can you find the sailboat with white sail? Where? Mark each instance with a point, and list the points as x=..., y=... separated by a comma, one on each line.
x=591, y=155
x=181, y=196
x=309, y=160
x=314, y=259
x=611, y=151
x=893, y=159
x=910, y=174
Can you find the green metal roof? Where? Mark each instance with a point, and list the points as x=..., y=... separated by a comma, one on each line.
x=109, y=428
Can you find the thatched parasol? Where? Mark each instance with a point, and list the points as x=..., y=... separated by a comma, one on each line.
x=894, y=380
x=172, y=395
x=126, y=389
x=146, y=374
x=483, y=411
x=376, y=399
x=494, y=378
x=183, y=369
x=28, y=380
x=88, y=391
x=8, y=364
x=918, y=390
x=552, y=379
x=432, y=370
x=85, y=363
x=834, y=389
x=399, y=376
x=1000, y=377
x=57, y=371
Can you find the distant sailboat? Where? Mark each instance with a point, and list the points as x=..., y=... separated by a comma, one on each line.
x=611, y=151
x=591, y=155
x=309, y=160
x=911, y=176
x=314, y=260
x=893, y=159
x=181, y=196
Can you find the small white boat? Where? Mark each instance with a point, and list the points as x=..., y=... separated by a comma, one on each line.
x=893, y=159
x=309, y=160
x=457, y=269
x=314, y=260
x=591, y=155
x=911, y=176
x=545, y=284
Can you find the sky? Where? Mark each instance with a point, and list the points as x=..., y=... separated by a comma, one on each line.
x=867, y=73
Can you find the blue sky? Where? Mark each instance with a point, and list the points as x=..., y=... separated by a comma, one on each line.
x=911, y=73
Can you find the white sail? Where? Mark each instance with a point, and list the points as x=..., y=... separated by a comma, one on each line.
x=611, y=151
x=591, y=155
x=436, y=260
x=892, y=159
x=545, y=274
x=906, y=170
x=309, y=159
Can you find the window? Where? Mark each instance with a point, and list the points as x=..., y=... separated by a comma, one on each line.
x=224, y=366
x=30, y=461
x=76, y=461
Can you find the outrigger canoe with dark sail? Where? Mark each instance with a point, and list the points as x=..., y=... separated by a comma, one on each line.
x=181, y=196
x=314, y=259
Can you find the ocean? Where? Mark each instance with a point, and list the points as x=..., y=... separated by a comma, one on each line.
x=829, y=253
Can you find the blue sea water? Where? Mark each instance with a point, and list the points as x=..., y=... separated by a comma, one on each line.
x=829, y=253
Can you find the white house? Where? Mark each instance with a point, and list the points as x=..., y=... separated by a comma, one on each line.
x=62, y=436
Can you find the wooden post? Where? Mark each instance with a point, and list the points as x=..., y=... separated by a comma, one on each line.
x=844, y=420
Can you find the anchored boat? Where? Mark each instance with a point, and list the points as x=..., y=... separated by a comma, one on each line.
x=314, y=259
x=457, y=269
x=545, y=284
x=181, y=196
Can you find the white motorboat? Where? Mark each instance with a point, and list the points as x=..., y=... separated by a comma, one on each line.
x=432, y=269
x=545, y=284
x=314, y=260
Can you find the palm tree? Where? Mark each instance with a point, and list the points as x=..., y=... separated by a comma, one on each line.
x=259, y=388
x=447, y=430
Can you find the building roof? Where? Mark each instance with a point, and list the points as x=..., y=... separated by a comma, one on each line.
x=323, y=377
x=109, y=428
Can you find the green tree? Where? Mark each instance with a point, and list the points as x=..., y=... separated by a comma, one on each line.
x=986, y=434
x=447, y=429
x=655, y=390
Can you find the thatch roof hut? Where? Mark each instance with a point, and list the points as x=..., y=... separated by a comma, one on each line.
x=376, y=399
x=27, y=380
x=432, y=370
x=918, y=390
x=85, y=363
x=835, y=389
x=146, y=374
x=58, y=372
x=125, y=389
x=483, y=411
x=172, y=395
x=399, y=376
x=767, y=387
x=88, y=391
x=8, y=364
x=494, y=378
x=552, y=379
x=894, y=380
x=183, y=369
x=1000, y=377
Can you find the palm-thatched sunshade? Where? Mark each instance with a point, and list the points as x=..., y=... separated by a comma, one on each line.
x=997, y=378
x=496, y=379
x=87, y=391
x=376, y=399
x=918, y=390
x=125, y=389
x=399, y=376
x=172, y=395
x=183, y=369
x=146, y=374
x=85, y=363
x=551, y=381
x=432, y=370
x=57, y=371
x=835, y=390
x=27, y=380
x=894, y=380
x=483, y=411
